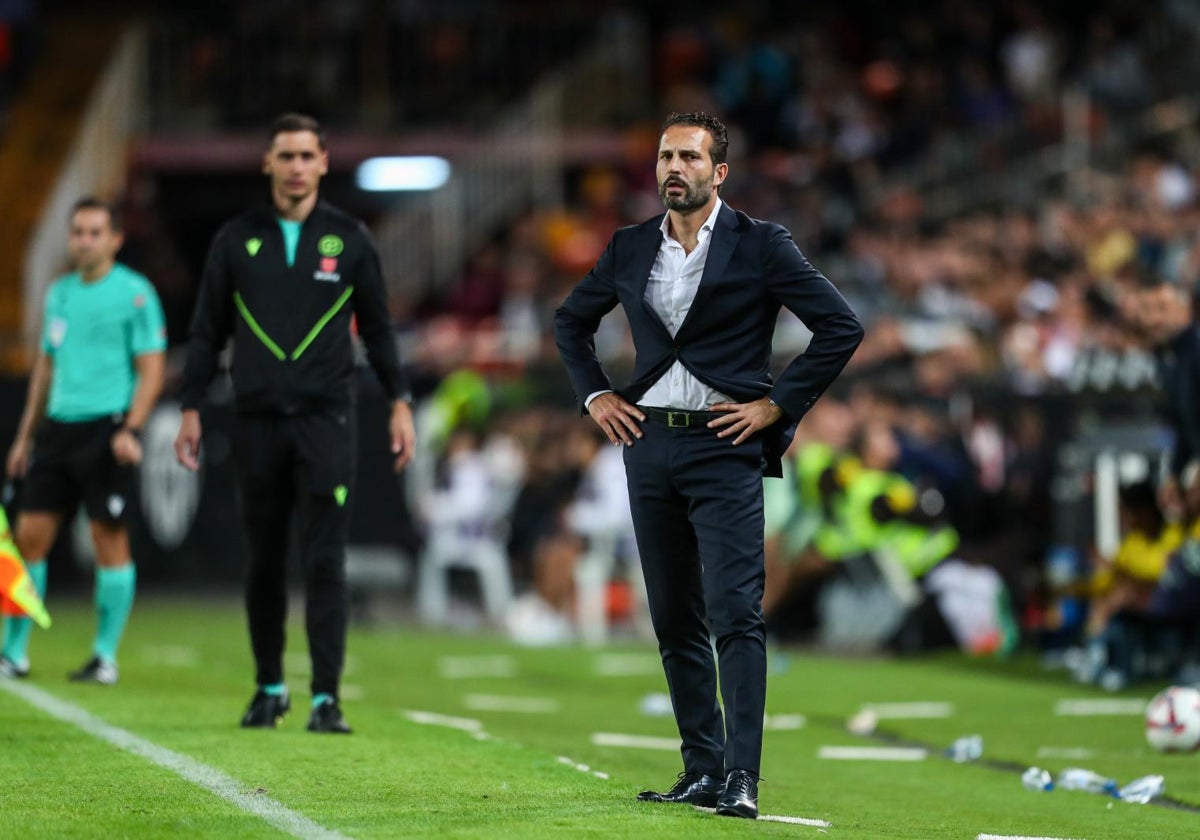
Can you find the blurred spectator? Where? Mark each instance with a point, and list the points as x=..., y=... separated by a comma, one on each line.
x=1126, y=580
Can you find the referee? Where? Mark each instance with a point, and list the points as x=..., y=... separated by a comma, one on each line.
x=285, y=280
x=93, y=385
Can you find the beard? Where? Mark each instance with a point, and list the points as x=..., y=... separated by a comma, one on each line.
x=694, y=196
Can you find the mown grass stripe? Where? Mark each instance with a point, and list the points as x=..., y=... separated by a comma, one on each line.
x=209, y=778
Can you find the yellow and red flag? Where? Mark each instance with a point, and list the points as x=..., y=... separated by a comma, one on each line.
x=18, y=595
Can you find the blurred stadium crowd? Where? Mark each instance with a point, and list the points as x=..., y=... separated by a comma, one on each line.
x=991, y=185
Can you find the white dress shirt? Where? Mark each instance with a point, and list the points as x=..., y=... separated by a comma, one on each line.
x=672, y=286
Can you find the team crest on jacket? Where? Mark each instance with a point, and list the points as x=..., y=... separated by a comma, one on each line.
x=327, y=271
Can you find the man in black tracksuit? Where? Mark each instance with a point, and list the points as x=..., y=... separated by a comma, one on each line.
x=284, y=281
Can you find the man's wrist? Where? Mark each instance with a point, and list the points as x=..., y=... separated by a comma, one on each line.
x=132, y=430
x=587, y=404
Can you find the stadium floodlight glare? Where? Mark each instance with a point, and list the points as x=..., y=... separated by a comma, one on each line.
x=402, y=174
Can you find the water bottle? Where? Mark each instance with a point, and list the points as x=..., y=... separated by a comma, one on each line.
x=1035, y=778
x=1076, y=778
x=964, y=749
x=1140, y=791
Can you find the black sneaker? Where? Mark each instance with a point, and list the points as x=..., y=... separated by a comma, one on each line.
x=10, y=670
x=327, y=717
x=96, y=670
x=265, y=710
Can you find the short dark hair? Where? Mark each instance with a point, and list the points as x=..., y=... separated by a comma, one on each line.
x=90, y=202
x=715, y=128
x=296, y=122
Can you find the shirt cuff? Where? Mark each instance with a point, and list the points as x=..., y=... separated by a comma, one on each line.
x=588, y=402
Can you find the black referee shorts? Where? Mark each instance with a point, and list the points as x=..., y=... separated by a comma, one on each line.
x=73, y=462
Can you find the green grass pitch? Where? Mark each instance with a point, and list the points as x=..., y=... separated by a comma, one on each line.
x=534, y=771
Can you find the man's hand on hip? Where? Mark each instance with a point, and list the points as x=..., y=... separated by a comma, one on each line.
x=744, y=419
x=618, y=418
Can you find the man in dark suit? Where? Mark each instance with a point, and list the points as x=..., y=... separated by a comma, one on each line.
x=701, y=423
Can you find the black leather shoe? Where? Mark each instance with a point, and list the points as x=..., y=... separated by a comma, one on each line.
x=691, y=789
x=740, y=797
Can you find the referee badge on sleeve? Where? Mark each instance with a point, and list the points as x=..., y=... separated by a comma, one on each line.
x=56, y=331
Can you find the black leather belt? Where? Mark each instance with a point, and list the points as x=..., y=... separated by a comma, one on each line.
x=679, y=418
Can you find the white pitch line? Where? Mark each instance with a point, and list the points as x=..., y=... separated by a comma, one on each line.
x=171, y=656
x=644, y=742
x=795, y=820
x=435, y=719
x=910, y=711
x=582, y=768
x=1091, y=706
x=476, y=667
x=209, y=778
x=1069, y=753
x=784, y=722
x=872, y=753
x=779, y=819
x=522, y=705
x=297, y=664
x=1015, y=837
x=627, y=665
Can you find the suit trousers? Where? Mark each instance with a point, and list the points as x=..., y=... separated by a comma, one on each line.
x=697, y=505
x=291, y=467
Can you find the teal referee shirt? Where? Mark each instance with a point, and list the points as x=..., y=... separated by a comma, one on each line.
x=93, y=332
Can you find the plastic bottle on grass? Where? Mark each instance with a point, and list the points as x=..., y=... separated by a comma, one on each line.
x=1077, y=778
x=964, y=749
x=1140, y=791
x=1035, y=778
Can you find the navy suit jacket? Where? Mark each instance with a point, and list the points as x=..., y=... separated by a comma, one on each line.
x=753, y=268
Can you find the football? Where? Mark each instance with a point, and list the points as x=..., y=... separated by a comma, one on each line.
x=1173, y=720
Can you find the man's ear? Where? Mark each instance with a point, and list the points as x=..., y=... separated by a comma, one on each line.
x=719, y=172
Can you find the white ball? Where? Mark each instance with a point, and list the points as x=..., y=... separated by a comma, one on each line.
x=1173, y=720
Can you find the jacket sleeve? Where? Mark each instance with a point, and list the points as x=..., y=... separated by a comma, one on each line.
x=375, y=324
x=807, y=293
x=576, y=322
x=211, y=324
x=1182, y=413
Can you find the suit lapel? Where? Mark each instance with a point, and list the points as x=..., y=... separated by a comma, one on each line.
x=720, y=249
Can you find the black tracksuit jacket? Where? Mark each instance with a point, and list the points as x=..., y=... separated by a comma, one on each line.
x=292, y=346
